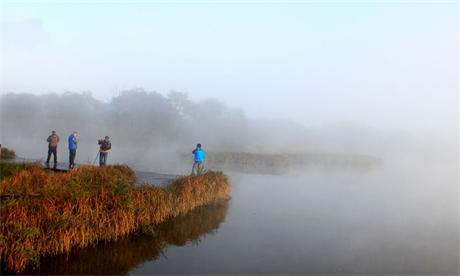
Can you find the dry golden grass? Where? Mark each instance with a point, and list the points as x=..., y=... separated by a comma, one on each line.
x=45, y=213
x=119, y=257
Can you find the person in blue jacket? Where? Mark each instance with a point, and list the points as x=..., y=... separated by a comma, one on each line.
x=198, y=158
x=73, y=141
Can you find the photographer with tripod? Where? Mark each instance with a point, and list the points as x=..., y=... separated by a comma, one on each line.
x=104, y=149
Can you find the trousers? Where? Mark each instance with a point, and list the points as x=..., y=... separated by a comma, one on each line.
x=197, y=168
x=72, y=154
x=103, y=158
x=53, y=151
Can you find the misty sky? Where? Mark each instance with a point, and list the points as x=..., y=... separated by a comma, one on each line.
x=368, y=62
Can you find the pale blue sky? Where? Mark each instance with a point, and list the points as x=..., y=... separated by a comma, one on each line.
x=379, y=64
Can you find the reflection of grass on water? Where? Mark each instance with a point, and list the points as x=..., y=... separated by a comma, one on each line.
x=267, y=163
x=45, y=213
x=120, y=256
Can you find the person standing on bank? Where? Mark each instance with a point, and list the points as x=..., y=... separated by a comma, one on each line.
x=105, y=147
x=53, y=141
x=73, y=141
x=198, y=158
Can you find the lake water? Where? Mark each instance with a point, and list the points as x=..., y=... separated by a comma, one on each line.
x=396, y=219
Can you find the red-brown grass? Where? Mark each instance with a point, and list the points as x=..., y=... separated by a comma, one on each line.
x=119, y=257
x=45, y=213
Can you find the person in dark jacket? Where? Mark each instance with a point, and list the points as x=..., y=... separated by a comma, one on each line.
x=105, y=147
x=53, y=141
x=198, y=160
x=73, y=141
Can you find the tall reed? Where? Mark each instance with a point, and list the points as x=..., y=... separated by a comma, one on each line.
x=6, y=153
x=272, y=163
x=44, y=213
x=119, y=257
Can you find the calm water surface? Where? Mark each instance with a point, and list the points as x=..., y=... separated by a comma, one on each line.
x=397, y=219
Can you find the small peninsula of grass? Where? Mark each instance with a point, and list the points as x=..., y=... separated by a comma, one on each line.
x=46, y=213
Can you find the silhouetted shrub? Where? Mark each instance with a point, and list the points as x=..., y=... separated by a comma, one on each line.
x=6, y=153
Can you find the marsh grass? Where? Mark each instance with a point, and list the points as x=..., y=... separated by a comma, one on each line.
x=272, y=163
x=46, y=213
x=6, y=153
x=118, y=258
x=9, y=168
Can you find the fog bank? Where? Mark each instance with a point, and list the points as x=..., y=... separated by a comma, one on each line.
x=150, y=131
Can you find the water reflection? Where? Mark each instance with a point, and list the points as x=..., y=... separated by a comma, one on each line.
x=395, y=220
x=121, y=256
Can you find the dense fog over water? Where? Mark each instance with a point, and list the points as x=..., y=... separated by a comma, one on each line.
x=152, y=131
x=363, y=78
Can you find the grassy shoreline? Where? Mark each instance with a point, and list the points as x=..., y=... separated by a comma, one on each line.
x=45, y=213
x=119, y=257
